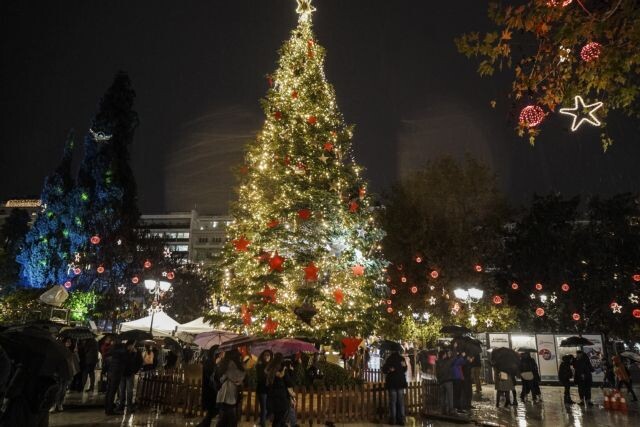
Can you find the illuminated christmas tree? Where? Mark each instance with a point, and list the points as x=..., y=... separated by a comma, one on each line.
x=304, y=255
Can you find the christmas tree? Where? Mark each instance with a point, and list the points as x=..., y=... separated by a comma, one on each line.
x=304, y=255
x=45, y=256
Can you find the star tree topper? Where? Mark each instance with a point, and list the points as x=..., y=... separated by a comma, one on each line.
x=305, y=9
x=582, y=113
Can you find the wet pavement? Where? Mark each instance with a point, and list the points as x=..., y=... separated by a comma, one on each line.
x=85, y=410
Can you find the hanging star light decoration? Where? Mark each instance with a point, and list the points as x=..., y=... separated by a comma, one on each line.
x=616, y=308
x=167, y=252
x=305, y=9
x=532, y=296
x=582, y=113
x=432, y=301
x=633, y=298
x=553, y=298
x=361, y=233
x=99, y=136
x=489, y=323
x=122, y=289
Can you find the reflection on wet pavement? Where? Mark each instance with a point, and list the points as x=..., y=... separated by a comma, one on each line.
x=84, y=410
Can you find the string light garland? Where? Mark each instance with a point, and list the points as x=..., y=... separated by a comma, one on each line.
x=531, y=116
x=582, y=113
x=591, y=51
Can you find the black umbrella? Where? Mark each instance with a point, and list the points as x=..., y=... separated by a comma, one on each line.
x=506, y=360
x=172, y=344
x=46, y=325
x=76, y=333
x=468, y=345
x=38, y=350
x=575, y=342
x=526, y=350
x=386, y=345
x=135, y=335
x=455, y=330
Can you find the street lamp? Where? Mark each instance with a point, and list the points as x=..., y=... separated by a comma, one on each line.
x=155, y=288
x=469, y=296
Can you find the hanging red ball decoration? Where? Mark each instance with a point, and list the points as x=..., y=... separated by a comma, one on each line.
x=531, y=116
x=591, y=51
x=394, y=291
x=418, y=259
x=636, y=277
x=135, y=280
x=273, y=223
x=100, y=270
x=171, y=275
x=304, y=214
x=353, y=207
x=575, y=316
x=515, y=286
x=338, y=296
x=434, y=274
x=389, y=302
x=77, y=271
x=636, y=313
x=67, y=284
x=414, y=289
x=275, y=263
x=277, y=115
x=565, y=287
x=478, y=268
x=389, y=310
x=312, y=120
x=294, y=94
x=403, y=279
x=539, y=311
x=95, y=239
x=497, y=300
x=538, y=286
x=147, y=264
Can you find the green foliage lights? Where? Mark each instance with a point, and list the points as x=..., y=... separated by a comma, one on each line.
x=80, y=304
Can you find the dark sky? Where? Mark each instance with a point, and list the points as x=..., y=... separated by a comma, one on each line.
x=198, y=68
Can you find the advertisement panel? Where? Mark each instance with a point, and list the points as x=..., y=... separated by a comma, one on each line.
x=547, y=357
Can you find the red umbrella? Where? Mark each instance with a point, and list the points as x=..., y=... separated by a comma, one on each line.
x=286, y=346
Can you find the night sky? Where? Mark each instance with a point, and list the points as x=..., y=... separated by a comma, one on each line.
x=198, y=69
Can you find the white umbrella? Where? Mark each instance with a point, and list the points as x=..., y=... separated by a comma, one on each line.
x=207, y=340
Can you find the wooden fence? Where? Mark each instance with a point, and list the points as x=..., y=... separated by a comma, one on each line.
x=367, y=402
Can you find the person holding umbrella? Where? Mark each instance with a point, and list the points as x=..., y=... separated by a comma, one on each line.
x=584, y=379
x=395, y=369
x=90, y=362
x=530, y=377
x=132, y=364
x=565, y=373
x=117, y=362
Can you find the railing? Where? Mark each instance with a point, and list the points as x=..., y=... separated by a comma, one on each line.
x=372, y=375
x=365, y=402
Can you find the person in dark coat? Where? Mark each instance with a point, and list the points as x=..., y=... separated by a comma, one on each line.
x=395, y=369
x=466, y=391
x=279, y=391
x=530, y=377
x=90, y=361
x=444, y=375
x=584, y=379
x=261, y=384
x=117, y=362
x=565, y=373
x=210, y=385
x=458, y=377
x=132, y=364
x=171, y=360
x=476, y=372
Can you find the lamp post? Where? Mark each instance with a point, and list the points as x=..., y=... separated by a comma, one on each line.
x=469, y=296
x=155, y=288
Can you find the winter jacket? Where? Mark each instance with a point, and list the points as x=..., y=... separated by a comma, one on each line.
x=90, y=352
x=527, y=364
x=444, y=371
x=395, y=368
x=132, y=363
x=565, y=374
x=583, y=369
x=231, y=379
x=458, y=363
x=117, y=356
x=261, y=378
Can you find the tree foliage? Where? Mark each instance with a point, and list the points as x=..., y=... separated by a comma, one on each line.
x=540, y=42
x=12, y=237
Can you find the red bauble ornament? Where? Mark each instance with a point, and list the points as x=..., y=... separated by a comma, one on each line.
x=135, y=280
x=304, y=214
x=270, y=326
x=565, y=287
x=515, y=286
x=353, y=207
x=95, y=239
x=591, y=51
x=275, y=263
x=171, y=275
x=277, y=115
x=100, y=269
x=67, y=284
x=414, y=289
x=147, y=264
x=241, y=244
x=497, y=300
x=636, y=277
x=538, y=286
x=312, y=120
x=434, y=274
x=358, y=270
x=338, y=296
x=575, y=316
x=636, y=313
x=539, y=311
x=77, y=271
x=311, y=272
x=531, y=116
x=268, y=294
x=273, y=223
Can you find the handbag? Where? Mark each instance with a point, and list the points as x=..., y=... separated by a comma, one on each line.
x=527, y=376
x=504, y=376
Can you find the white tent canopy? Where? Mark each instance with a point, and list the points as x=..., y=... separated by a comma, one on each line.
x=163, y=325
x=196, y=326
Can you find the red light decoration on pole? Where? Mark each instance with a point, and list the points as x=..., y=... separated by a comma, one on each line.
x=591, y=51
x=77, y=271
x=394, y=291
x=403, y=279
x=565, y=287
x=497, y=300
x=531, y=116
x=539, y=311
x=418, y=259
